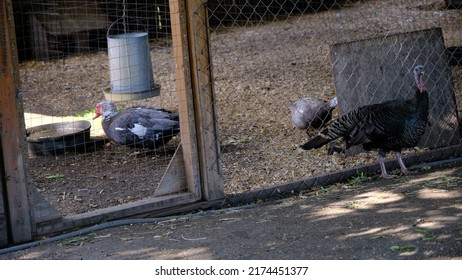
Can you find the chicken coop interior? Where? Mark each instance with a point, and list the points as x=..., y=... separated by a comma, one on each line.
x=223, y=79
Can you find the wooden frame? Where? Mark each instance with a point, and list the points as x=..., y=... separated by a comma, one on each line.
x=17, y=196
x=196, y=161
x=193, y=67
x=184, y=91
x=204, y=100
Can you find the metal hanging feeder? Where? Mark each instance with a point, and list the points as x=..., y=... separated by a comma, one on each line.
x=130, y=65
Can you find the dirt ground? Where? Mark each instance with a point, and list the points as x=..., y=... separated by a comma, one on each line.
x=414, y=217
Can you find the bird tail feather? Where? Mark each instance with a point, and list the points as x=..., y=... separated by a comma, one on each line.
x=342, y=127
x=317, y=142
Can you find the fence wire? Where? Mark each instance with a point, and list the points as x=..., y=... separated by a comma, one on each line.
x=65, y=72
x=265, y=55
x=268, y=54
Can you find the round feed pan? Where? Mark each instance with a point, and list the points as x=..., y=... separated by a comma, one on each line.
x=56, y=138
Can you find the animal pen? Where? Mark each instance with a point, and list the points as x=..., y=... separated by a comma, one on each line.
x=230, y=69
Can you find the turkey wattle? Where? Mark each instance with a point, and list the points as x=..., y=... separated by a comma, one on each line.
x=141, y=127
x=312, y=112
x=388, y=126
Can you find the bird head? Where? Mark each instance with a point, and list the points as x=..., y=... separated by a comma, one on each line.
x=104, y=108
x=418, y=76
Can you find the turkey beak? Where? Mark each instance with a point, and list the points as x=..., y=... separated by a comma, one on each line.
x=97, y=114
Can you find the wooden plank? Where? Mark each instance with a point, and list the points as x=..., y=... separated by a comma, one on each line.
x=3, y=214
x=185, y=96
x=380, y=69
x=12, y=132
x=174, y=179
x=187, y=208
x=3, y=230
x=43, y=210
x=39, y=39
x=204, y=100
x=115, y=212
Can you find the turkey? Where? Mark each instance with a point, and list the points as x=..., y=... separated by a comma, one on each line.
x=140, y=127
x=312, y=112
x=388, y=126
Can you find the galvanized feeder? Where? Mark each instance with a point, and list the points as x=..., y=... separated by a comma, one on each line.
x=130, y=65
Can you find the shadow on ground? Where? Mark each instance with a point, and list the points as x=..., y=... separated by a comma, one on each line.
x=413, y=217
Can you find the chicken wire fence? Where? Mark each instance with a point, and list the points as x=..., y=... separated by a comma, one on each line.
x=264, y=56
x=64, y=73
x=268, y=54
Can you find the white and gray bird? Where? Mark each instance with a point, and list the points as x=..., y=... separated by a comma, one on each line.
x=140, y=127
x=388, y=126
x=312, y=113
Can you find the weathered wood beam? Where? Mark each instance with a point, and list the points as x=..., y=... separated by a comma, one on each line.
x=204, y=100
x=194, y=85
x=174, y=178
x=185, y=96
x=12, y=134
x=3, y=214
x=115, y=212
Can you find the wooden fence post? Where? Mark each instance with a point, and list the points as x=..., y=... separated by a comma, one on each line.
x=17, y=197
x=3, y=214
x=204, y=100
x=185, y=98
x=194, y=83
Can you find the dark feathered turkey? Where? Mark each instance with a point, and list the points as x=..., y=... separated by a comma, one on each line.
x=312, y=112
x=141, y=127
x=388, y=126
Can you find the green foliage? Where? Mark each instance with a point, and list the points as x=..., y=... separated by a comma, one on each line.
x=405, y=248
x=55, y=176
x=428, y=234
x=359, y=178
x=74, y=241
x=422, y=230
x=88, y=112
x=159, y=18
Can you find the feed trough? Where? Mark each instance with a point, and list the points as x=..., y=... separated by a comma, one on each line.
x=56, y=138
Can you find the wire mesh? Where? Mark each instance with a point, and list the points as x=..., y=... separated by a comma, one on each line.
x=268, y=54
x=264, y=55
x=64, y=73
